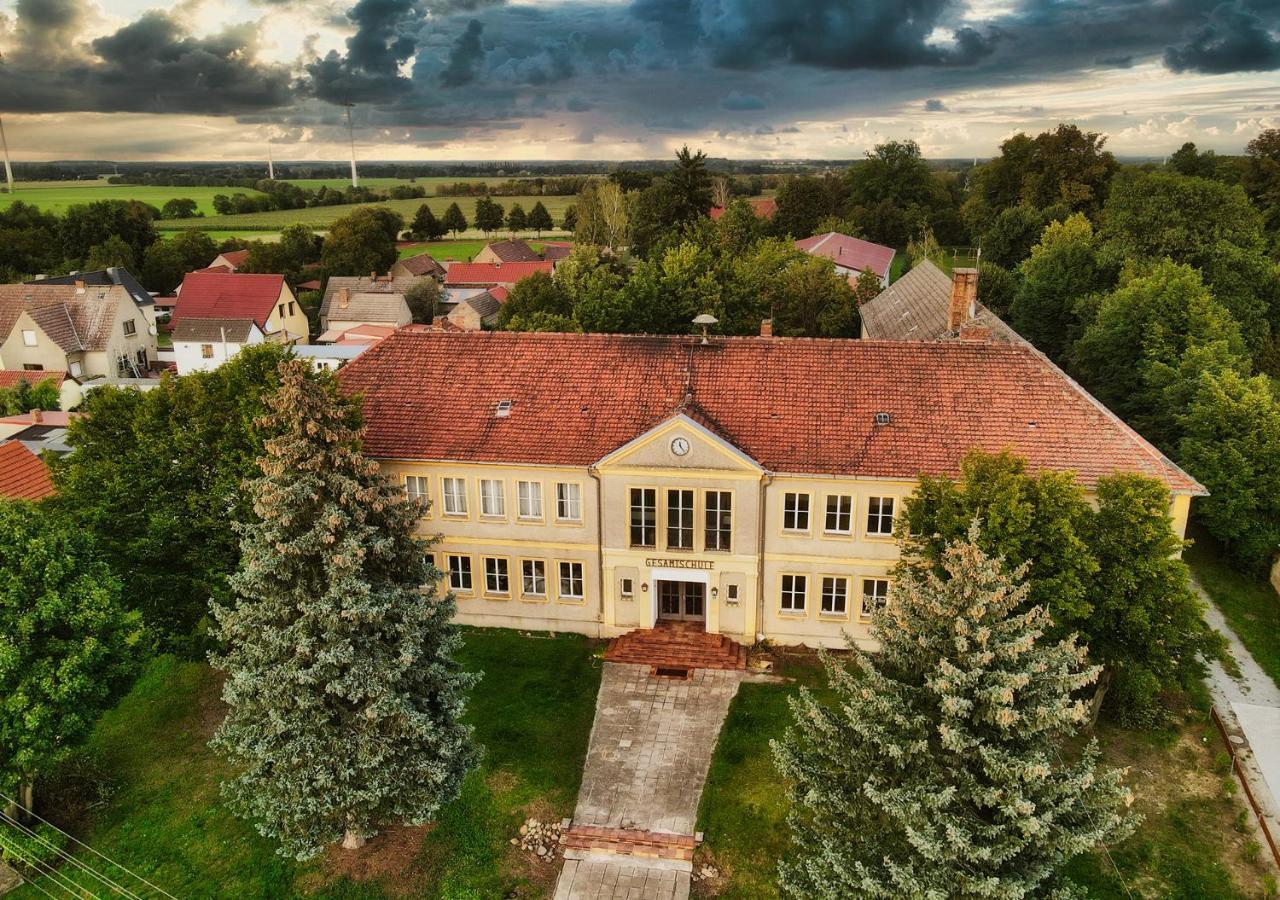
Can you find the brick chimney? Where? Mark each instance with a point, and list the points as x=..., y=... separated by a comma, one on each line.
x=37, y=416
x=79, y=286
x=344, y=298
x=964, y=297
x=972, y=331
x=766, y=328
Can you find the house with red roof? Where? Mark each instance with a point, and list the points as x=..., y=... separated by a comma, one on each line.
x=746, y=488
x=763, y=207
x=69, y=393
x=228, y=261
x=218, y=313
x=487, y=275
x=23, y=475
x=852, y=256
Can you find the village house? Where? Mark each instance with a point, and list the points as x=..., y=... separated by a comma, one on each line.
x=227, y=262
x=926, y=304
x=69, y=392
x=372, y=300
x=217, y=314
x=747, y=487
x=88, y=331
x=478, y=311
x=424, y=265
x=851, y=255
x=102, y=278
x=764, y=208
x=487, y=275
x=510, y=251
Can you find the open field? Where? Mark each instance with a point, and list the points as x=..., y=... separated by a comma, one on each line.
x=159, y=811
x=427, y=183
x=58, y=196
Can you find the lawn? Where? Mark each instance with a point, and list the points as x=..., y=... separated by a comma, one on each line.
x=1187, y=846
x=159, y=811
x=55, y=196
x=457, y=250
x=1248, y=602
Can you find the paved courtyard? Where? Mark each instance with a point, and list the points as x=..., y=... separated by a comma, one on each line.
x=647, y=763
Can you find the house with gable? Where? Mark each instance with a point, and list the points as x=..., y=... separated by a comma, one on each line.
x=852, y=256
x=219, y=313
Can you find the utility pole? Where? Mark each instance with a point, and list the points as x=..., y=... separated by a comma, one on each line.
x=351, y=135
x=271, y=168
x=8, y=169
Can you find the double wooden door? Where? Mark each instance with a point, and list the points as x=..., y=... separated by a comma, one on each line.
x=683, y=601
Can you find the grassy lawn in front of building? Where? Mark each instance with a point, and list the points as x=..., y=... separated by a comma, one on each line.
x=1189, y=845
x=145, y=791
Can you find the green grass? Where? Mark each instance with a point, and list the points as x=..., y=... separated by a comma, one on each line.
x=457, y=250
x=1248, y=602
x=57, y=197
x=164, y=819
x=427, y=183
x=1186, y=846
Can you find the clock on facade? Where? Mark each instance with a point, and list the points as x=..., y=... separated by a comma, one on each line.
x=679, y=446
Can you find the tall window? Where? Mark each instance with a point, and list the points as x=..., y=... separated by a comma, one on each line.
x=795, y=512
x=529, y=499
x=28, y=338
x=492, y=501
x=880, y=515
x=875, y=591
x=835, y=595
x=496, y=578
x=571, y=587
x=644, y=517
x=455, y=497
x=460, y=572
x=568, y=502
x=206, y=351
x=794, y=588
x=533, y=578
x=839, y=514
x=415, y=487
x=719, y=520
x=130, y=327
x=679, y=520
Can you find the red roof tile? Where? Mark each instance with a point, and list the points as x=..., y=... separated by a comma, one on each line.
x=235, y=258
x=764, y=208
x=211, y=295
x=23, y=475
x=849, y=252
x=54, y=417
x=795, y=405
x=10, y=377
x=485, y=274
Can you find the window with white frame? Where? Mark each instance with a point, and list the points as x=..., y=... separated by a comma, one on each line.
x=568, y=502
x=835, y=595
x=571, y=585
x=533, y=578
x=28, y=338
x=455, y=496
x=628, y=587
x=415, y=487
x=459, y=572
x=529, y=499
x=795, y=511
x=497, y=580
x=880, y=515
x=492, y=501
x=794, y=589
x=719, y=520
x=875, y=591
x=679, y=519
x=644, y=517
x=839, y=518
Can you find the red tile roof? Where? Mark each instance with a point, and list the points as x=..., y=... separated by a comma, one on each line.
x=55, y=417
x=485, y=274
x=764, y=208
x=499, y=293
x=234, y=258
x=212, y=295
x=23, y=475
x=849, y=252
x=10, y=377
x=795, y=405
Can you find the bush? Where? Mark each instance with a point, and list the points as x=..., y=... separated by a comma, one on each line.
x=1134, y=699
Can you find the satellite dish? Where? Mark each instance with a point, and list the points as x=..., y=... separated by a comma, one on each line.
x=151, y=330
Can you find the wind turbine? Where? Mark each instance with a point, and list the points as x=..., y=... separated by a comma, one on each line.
x=8, y=169
x=271, y=168
x=351, y=135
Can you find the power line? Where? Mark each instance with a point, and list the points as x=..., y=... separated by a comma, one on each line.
x=30, y=832
x=44, y=870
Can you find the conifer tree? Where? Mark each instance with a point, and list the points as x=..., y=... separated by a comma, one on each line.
x=935, y=772
x=345, y=700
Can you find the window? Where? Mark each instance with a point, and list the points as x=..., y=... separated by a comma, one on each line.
x=568, y=502
x=292, y=307
x=431, y=560
x=571, y=581
x=460, y=572
x=880, y=515
x=719, y=515
x=496, y=578
x=794, y=588
x=627, y=587
x=529, y=499
x=206, y=351
x=28, y=338
x=839, y=514
x=415, y=487
x=795, y=512
x=33, y=367
x=732, y=593
x=142, y=358
x=835, y=596
x=455, y=497
x=281, y=308
x=492, y=502
x=533, y=578
x=76, y=369
x=644, y=517
x=130, y=328
x=874, y=593
x=679, y=520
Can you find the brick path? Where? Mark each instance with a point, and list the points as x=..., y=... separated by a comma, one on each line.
x=651, y=745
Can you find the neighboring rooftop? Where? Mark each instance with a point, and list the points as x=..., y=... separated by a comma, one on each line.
x=76, y=318
x=916, y=308
x=486, y=274
x=795, y=405
x=206, y=331
x=23, y=475
x=220, y=295
x=763, y=207
x=375, y=298
x=103, y=278
x=420, y=265
x=514, y=250
x=849, y=252
x=9, y=378
x=556, y=250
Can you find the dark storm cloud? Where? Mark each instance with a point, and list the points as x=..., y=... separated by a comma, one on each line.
x=1235, y=39
x=465, y=57
x=743, y=102
x=933, y=104
x=385, y=37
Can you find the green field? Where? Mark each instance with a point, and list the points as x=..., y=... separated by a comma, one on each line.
x=428, y=183
x=57, y=196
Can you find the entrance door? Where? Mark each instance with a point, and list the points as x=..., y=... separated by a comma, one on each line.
x=681, y=601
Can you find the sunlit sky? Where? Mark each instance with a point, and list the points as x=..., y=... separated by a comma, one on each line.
x=626, y=79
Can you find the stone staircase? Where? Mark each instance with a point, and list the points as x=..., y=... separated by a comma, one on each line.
x=629, y=842
x=675, y=648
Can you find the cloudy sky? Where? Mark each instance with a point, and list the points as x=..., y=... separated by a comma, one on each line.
x=626, y=79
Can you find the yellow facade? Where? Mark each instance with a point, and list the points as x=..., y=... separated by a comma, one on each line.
x=764, y=572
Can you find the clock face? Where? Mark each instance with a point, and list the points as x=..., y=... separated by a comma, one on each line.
x=679, y=446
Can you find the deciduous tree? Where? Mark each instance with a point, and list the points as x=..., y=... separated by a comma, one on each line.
x=1062, y=270
x=361, y=242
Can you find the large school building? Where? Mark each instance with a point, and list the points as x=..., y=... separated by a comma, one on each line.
x=604, y=483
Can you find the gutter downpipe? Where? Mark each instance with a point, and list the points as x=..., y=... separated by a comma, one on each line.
x=765, y=480
x=595, y=475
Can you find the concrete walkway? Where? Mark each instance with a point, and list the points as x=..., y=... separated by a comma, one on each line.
x=651, y=746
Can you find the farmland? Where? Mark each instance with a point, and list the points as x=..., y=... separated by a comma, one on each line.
x=58, y=196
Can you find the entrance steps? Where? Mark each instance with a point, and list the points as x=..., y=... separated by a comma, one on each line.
x=629, y=842
x=675, y=646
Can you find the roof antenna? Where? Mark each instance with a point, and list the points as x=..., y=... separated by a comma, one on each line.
x=705, y=321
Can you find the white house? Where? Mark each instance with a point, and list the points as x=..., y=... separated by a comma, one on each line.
x=203, y=344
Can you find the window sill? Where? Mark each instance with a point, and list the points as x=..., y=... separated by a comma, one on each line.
x=793, y=613
x=533, y=598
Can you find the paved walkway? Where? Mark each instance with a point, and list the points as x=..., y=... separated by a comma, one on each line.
x=647, y=763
